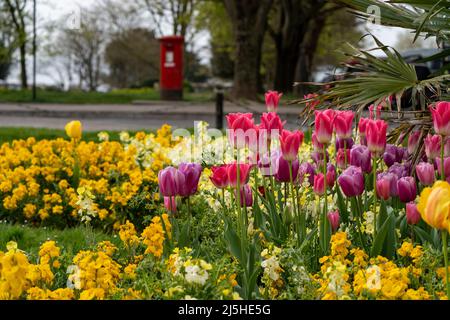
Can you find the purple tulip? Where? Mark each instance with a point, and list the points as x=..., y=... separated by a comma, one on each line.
x=306, y=169
x=340, y=143
x=351, y=181
x=331, y=175
x=394, y=154
x=360, y=157
x=425, y=173
x=399, y=170
x=412, y=213
x=407, y=190
x=318, y=157
x=188, y=184
x=283, y=174
x=166, y=181
x=246, y=196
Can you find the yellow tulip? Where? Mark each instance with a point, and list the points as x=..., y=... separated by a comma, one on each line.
x=74, y=129
x=434, y=205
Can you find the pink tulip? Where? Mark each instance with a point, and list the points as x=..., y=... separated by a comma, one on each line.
x=383, y=186
x=351, y=181
x=446, y=167
x=324, y=125
x=433, y=146
x=343, y=123
x=425, y=173
x=334, y=218
x=314, y=101
x=272, y=100
x=376, y=137
x=241, y=129
x=170, y=203
x=447, y=148
x=319, y=184
x=290, y=142
x=219, y=176
x=412, y=213
x=273, y=125
x=362, y=126
x=441, y=118
x=413, y=141
x=244, y=171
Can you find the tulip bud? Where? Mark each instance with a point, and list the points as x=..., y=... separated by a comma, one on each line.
x=343, y=122
x=166, y=181
x=376, y=137
x=244, y=172
x=272, y=100
x=425, y=173
x=412, y=213
x=283, y=174
x=219, y=176
x=290, y=142
x=334, y=219
x=319, y=184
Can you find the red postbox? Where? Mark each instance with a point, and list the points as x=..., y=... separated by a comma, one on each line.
x=171, y=74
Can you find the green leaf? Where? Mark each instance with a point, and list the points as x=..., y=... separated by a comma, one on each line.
x=380, y=238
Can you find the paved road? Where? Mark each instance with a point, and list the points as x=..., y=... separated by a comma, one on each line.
x=125, y=117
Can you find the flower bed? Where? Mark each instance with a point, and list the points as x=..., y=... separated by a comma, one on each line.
x=254, y=214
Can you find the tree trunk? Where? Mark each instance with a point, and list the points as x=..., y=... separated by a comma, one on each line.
x=250, y=22
x=23, y=65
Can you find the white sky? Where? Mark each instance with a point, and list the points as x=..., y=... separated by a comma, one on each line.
x=49, y=11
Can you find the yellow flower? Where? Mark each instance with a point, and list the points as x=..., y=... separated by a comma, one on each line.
x=434, y=205
x=74, y=129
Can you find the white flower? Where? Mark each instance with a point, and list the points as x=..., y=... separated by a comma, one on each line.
x=195, y=274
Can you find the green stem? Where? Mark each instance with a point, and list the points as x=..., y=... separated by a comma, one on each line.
x=445, y=251
x=442, y=159
x=374, y=197
x=189, y=207
x=325, y=179
x=293, y=195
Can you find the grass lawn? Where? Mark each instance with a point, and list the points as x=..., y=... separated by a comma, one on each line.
x=72, y=240
x=125, y=96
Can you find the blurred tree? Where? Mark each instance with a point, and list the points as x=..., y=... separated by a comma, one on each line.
x=133, y=59
x=249, y=21
x=6, y=46
x=295, y=27
x=85, y=46
x=212, y=17
x=17, y=16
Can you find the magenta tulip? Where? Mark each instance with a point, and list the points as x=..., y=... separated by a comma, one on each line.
x=324, y=125
x=376, y=137
x=246, y=196
x=441, y=118
x=244, y=172
x=241, y=130
x=341, y=157
x=334, y=219
x=166, y=181
x=362, y=126
x=446, y=167
x=272, y=100
x=376, y=115
x=283, y=174
x=343, y=123
x=319, y=184
x=387, y=185
x=407, y=190
x=314, y=102
x=425, y=173
x=306, y=170
x=219, y=176
x=412, y=213
x=351, y=181
x=290, y=142
x=331, y=176
x=189, y=184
